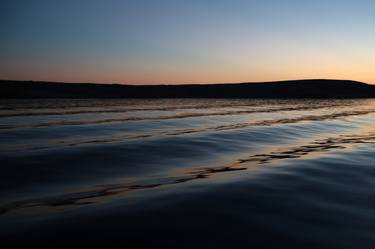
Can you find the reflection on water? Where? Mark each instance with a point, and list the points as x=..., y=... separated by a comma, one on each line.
x=152, y=169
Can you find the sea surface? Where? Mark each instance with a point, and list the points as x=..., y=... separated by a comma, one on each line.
x=187, y=173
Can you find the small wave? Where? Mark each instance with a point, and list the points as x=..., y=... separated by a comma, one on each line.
x=316, y=146
x=178, y=132
x=100, y=192
x=144, y=118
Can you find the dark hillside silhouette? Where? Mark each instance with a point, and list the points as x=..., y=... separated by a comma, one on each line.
x=316, y=88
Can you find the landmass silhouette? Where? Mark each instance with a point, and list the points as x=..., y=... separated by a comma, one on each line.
x=310, y=88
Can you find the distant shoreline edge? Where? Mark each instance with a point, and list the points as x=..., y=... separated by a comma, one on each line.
x=310, y=88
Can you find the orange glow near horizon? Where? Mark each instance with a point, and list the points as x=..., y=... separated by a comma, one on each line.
x=175, y=42
x=208, y=77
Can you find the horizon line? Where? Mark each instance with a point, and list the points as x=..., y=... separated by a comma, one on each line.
x=176, y=84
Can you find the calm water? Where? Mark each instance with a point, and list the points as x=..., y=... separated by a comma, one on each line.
x=188, y=173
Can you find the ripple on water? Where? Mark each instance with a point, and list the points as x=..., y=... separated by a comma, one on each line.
x=207, y=173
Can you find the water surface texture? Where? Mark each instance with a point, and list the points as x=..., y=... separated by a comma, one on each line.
x=188, y=173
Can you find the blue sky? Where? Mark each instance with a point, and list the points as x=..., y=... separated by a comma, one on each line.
x=192, y=41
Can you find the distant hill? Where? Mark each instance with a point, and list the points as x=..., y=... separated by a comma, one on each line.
x=315, y=88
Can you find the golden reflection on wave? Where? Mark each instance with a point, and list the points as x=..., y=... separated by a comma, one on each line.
x=185, y=131
x=205, y=113
x=103, y=193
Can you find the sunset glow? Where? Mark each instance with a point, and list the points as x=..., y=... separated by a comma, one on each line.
x=148, y=42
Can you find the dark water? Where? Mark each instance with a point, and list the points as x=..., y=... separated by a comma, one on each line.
x=187, y=173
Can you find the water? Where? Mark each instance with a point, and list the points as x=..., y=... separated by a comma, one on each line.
x=188, y=173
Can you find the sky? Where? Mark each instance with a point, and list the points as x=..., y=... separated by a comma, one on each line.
x=186, y=41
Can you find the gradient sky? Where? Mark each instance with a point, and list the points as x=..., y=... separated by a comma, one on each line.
x=186, y=41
